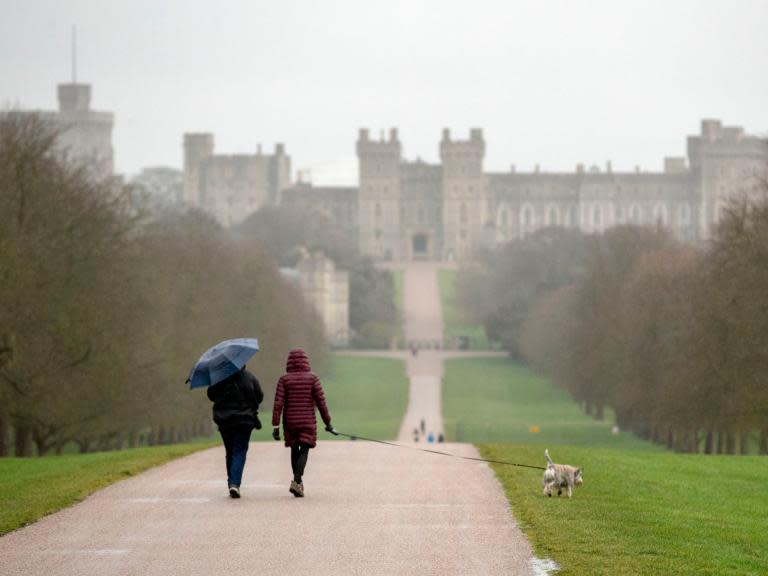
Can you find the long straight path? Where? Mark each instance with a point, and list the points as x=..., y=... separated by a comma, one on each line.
x=423, y=324
x=370, y=509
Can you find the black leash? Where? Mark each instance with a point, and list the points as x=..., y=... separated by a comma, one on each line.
x=355, y=437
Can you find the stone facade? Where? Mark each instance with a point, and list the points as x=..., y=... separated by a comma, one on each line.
x=326, y=289
x=84, y=135
x=231, y=187
x=414, y=210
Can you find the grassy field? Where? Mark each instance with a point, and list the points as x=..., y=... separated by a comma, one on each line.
x=33, y=487
x=366, y=396
x=642, y=512
x=496, y=400
x=455, y=323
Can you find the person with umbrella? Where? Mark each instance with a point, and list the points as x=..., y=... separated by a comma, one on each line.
x=298, y=393
x=236, y=395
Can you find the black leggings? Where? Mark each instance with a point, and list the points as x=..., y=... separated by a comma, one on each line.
x=299, y=455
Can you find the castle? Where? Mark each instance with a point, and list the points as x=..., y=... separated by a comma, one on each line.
x=405, y=210
x=84, y=135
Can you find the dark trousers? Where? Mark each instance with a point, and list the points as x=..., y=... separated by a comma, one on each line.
x=236, y=445
x=299, y=455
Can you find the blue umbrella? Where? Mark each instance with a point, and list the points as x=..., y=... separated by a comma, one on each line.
x=222, y=361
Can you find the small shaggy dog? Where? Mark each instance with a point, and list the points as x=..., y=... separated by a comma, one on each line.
x=560, y=476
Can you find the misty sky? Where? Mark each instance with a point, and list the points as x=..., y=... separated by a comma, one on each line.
x=554, y=83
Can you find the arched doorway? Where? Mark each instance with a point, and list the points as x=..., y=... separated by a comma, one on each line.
x=420, y=246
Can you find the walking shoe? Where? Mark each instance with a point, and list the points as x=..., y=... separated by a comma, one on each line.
x=295, y=490
x=234, y=492
x=301, y=490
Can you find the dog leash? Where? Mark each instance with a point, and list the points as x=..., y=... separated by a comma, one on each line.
x=503, y=462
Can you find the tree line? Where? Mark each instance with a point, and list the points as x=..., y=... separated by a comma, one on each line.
x=672, y=338
x=104, y=307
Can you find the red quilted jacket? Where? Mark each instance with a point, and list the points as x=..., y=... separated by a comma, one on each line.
x=298, y=392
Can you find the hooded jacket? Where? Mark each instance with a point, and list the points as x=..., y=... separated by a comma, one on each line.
x=298, y=393
x=236, y=400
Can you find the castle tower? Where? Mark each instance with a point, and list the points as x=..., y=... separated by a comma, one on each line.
x=197, y=149
x=464, y=193
x=279, y=174
x=725, y=164
x=379, y=199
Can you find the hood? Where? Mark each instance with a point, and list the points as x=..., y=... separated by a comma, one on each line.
x=297, y=361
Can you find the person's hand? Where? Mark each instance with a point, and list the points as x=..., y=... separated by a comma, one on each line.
x=331, y=429
x=258, y=423
x=276, y=433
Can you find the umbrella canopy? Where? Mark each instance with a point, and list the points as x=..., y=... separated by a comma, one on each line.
x=222, y=361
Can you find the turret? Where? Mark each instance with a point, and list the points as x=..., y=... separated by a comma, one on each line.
x=379, y=196
x=197, y=149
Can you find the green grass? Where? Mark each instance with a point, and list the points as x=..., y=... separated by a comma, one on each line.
x=496, y=400
x=642, y=512
x=33, y=487
x=366, y=396
x=456, y=323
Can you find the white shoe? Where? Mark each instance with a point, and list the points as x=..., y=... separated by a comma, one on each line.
x=234, y=492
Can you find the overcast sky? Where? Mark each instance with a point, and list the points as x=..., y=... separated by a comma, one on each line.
x=554, y=83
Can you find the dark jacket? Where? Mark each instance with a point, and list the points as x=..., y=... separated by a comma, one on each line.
x=236, y=400
x=298, y=392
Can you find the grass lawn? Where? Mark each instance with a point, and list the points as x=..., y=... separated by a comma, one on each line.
x=33, y=487
x=496, y=400
x=643, y=512
x=366, y=396
x=455, y=323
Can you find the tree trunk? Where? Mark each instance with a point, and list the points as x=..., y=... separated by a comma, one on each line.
x=709, y=442
x=764, y=441
x=5, y=428
x=744, y=443
x=693, y=442
x=720, y=442
x=670, y=439
x=730, y=442
x=23, y=442
x=85, y=445
x=600, y=412
x=133, y=439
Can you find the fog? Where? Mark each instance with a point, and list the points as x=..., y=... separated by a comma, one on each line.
x=553, y=83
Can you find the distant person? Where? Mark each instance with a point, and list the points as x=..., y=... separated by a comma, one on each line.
x=431, y=438
x=236, y=412
x=423, y=426
x=440, y=438
x=298, y=393
x=415, y=434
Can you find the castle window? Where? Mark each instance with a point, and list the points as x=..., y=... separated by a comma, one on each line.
x=463, y=234
x=526, y=220
x=597, y=217
x=552, y=217
x=463, y=213
x=660, y=214
x=684, y=215
x=420, y=214
x=635, y=216
x=377, y=233
x=504, y=218
x=377, y=212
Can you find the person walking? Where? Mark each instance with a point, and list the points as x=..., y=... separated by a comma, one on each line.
x=236, y=402
x=298, y=393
